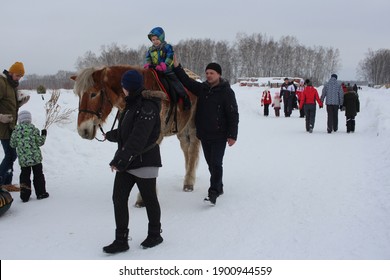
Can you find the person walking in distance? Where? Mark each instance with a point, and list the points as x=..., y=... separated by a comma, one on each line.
x=308, y=99
x=287, y=91
x=266, y=100
x=334, y=95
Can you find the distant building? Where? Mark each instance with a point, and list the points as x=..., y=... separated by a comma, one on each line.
x=272, y=82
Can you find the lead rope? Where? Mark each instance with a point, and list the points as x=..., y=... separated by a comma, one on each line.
x=112, y=127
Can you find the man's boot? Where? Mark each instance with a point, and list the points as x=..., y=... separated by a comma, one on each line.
x=120, y=243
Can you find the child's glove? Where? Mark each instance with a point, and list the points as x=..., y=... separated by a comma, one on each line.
x=6, y=118
x=44, y=132
x=162, y=67
x=147, y=66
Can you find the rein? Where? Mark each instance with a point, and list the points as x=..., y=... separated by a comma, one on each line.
x=99, y=114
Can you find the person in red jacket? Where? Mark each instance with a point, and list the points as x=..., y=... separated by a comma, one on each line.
x=266, y=100
x=308, y=103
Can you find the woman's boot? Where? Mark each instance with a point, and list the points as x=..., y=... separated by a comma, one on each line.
x=154, y=237
x=120, y=243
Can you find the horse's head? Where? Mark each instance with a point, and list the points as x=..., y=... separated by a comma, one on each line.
x=95, y=103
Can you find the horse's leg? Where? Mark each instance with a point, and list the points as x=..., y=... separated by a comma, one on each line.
x=139, y=203
x=189, y=144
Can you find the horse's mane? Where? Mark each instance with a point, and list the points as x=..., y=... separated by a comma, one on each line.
x=84, y=80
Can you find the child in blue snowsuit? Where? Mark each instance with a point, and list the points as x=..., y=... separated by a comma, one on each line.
x=160, y=57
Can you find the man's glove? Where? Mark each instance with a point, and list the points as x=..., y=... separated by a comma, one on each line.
x=24, y=100
x=162, y=67
x=43, y=132
x=6, y=118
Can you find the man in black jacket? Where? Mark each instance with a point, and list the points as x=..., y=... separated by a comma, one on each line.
x=216, y=120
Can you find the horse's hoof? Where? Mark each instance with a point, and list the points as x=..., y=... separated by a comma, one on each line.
x=139, y=204
x=188, y=188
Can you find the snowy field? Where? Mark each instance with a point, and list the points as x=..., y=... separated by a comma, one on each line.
x=289, y=195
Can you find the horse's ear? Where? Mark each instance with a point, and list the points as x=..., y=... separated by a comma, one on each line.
x=73, y=78
x=96, y=75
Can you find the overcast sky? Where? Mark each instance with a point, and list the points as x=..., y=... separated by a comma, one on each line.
x=48, y=35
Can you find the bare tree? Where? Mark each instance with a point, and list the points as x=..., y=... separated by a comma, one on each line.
x=54, y=113
x=252, y=55
x=375, y=68
x=223, y=56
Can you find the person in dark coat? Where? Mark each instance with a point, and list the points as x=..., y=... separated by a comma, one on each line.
x=355, y=88
x=287, y=92
x=352, y=107
x=216, y=120
x=137, y=160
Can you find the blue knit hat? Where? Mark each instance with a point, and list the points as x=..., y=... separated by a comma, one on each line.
x=132, y=80
x=334, y=76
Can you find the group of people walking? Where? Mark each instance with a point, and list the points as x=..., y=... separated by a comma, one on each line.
x=335, y=96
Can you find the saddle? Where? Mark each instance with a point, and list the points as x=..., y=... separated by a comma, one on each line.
x=175, y=92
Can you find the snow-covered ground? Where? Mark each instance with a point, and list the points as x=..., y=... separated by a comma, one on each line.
x=289, y=195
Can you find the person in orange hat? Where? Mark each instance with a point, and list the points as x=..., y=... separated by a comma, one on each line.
x=9, y=106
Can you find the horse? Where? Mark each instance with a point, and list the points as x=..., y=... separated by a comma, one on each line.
x=99, y=91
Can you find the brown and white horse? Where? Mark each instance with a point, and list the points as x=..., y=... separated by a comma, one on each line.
x=99, y=91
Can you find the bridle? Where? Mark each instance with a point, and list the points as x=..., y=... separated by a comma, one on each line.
x=99, y=113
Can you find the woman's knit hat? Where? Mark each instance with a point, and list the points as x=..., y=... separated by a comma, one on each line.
x=24, y=117
x=132, y=81
x=17, y=68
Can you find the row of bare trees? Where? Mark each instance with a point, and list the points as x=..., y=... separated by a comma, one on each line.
x=253, y=55
x=57, y=81
x=375, y=67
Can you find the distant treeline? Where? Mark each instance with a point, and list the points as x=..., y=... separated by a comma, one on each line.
x=376, y=67
x=253, y=55
x=57, y=81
